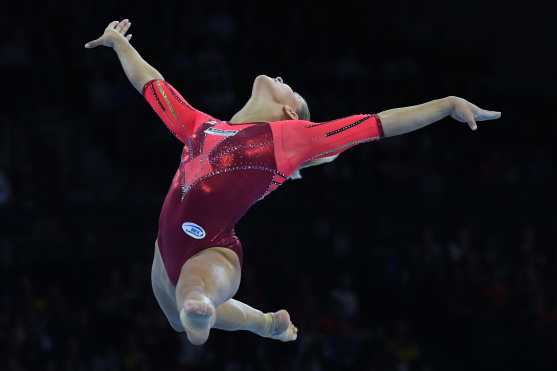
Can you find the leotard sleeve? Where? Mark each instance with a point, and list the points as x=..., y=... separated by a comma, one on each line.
x=176, y=113
x=301, y=141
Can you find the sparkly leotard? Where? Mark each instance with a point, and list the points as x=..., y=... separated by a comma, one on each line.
x=226, y=168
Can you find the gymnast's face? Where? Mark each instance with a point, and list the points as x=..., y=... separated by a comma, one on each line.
x=274, y=90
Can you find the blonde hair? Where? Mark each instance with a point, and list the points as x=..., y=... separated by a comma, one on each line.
x=303, y=111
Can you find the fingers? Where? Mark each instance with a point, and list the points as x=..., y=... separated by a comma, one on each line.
x=126, y=27
x=123, y=26
x=119, y=26
x=465, y=111
x=484, y=115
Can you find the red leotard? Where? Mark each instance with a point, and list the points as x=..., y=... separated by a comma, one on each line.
x=226, y=168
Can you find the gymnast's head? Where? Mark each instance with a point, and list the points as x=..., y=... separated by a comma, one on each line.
x=275, y=100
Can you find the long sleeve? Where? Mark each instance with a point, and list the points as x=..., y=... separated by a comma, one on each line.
x=176, y=113
x=303, y=141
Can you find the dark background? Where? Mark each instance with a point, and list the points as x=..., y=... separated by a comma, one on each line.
x=431, y=251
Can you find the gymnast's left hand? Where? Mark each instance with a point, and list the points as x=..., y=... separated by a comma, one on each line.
x=113, y=33
x=464, y=111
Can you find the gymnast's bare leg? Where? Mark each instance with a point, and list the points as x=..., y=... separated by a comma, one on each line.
x=233, y=315
x=205, y=287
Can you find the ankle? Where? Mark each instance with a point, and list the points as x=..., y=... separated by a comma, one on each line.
x=267, y=324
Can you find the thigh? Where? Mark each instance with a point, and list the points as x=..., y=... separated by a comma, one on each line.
x=216, y=271
x=165, y=292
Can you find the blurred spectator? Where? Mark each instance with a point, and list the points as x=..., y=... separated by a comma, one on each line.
x=5, y=189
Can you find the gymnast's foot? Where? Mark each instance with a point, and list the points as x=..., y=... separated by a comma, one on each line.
x=279, y=326
x=197, y=317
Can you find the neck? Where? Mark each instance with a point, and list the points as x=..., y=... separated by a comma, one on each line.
x=257, y=111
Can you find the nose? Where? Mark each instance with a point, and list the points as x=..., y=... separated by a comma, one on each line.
x=279, y=79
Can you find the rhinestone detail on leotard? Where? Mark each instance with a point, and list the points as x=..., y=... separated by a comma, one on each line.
x=186, y=188
x=340, y=130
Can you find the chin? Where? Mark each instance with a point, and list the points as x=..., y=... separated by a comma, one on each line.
x=261, y=83
x=262, y=79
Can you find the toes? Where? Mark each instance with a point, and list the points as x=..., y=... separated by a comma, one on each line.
x=196, y=323
x=294, y=333
x=199, y=306
x=282, y=328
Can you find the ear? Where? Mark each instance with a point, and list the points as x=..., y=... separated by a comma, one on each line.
x=289, y=112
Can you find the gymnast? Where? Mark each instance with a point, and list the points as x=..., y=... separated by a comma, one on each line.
x=226, y=167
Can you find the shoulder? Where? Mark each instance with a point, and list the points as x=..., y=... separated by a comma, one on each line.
x=290, y=124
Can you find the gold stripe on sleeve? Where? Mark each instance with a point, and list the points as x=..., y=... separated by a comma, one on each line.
x=166, y=99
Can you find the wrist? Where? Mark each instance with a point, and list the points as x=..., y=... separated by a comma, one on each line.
x=119, y=43
x=449, y=104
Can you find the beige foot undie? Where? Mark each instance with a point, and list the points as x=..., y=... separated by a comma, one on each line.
x=279, y=327
x=197, y=317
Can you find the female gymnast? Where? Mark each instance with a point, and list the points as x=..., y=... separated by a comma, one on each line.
x=226, y=167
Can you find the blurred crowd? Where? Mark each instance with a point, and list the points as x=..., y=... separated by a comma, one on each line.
x=426, y=252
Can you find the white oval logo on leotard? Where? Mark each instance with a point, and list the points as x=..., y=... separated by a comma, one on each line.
x=193, y=230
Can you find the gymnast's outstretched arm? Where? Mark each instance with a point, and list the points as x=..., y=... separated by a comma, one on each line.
x=136, y=69
x=309, y=143
x=406, y=119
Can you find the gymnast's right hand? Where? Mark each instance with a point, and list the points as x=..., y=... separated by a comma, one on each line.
x=114, y=32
